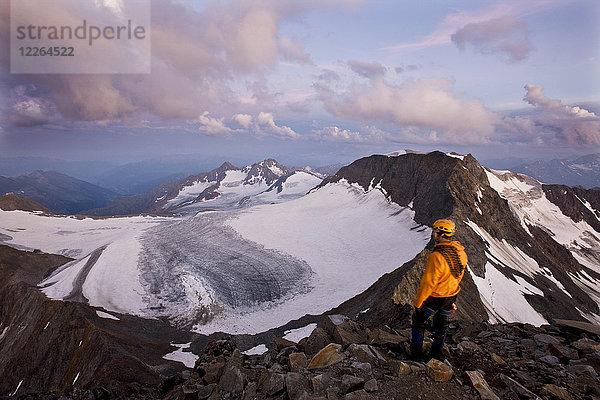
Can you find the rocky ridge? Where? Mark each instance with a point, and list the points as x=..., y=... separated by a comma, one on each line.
x=342, y=359
x=12, y=202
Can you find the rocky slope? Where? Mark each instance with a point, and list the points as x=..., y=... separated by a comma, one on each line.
x=343, y=359
x=435, y=186
x=53, y=345
x=12, y=202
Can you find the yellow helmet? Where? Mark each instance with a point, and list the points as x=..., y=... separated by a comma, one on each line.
x=444, y=226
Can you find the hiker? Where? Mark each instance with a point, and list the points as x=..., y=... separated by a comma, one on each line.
x=439, y=287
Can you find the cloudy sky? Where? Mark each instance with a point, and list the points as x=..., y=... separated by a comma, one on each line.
x=322, y=81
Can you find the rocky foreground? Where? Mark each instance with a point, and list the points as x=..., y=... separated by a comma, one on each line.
x=344, y=360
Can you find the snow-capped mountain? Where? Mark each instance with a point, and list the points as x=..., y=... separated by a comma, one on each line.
x=531, y=257
x=581, y=171
x=223, y=188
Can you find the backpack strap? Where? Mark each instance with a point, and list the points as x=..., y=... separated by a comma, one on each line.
x=452, y=258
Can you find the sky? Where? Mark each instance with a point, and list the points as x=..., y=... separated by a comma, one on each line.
x=315, y=82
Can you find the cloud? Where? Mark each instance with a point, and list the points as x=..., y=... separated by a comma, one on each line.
x=500, y=35
x=367, y=70
x=199, y=57
x=293, y=51
x=442, y=34
x=266, y=120
x=243, y=120
x=427, y=103
x=336, y=133
x=212, y=126
x=561, y=123
x=28, y=107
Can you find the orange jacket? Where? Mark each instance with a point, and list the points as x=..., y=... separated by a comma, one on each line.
x=445, y=268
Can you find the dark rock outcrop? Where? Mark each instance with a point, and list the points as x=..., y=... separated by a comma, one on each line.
x=53, y=346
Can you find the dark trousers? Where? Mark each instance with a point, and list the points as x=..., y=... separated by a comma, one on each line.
x=440, y=308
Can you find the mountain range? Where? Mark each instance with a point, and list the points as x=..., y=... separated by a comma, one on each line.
x=579, y=171
x=58, y=192
x=341, y=245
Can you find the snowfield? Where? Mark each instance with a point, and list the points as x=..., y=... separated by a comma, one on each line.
x=237, y=271
x=530, y=205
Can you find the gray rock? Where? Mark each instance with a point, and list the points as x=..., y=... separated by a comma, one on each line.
x=297, y=362
x=550, y=360
x=468, y=346
x=297, y=386
x=543, y=340
x=366, y=353
x=582, y=369
x=362, y=366
x=317, y=340
x=320, y=383
x=586, y=345
x=371, y=386
x=358, y=395
x=232, y=380
x=351, y=383
x=517, y=388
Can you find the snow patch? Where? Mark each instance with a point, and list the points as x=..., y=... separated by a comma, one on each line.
x=17, y=389
x=257, y=350
x=504, y=298
x=102, y=314
x=187, y=358
x=295, y=335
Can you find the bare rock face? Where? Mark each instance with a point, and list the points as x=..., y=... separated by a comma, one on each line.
x=68, y=342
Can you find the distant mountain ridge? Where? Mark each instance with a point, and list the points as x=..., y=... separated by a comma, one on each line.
x=13, y=202
x=581, y=171
x=224, y=187
x=58, y=192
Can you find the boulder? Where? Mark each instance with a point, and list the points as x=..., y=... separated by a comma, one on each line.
x=272, y=383
x=363, y=367
x=282, y=343
x=550, y=360
x=358, y=395
x=480, y=384
x=344, y=330
x=232, y=380
x=297, y=386
x=297, y=362
x=543, y=340
x=210, y=373
x=316, y=341
x=331, y=354
x=383, y=338
x=555, y=392
x=439, y=371
x=400, y=368
x=366, y=353
x=320, y=383
x=468, y=347
x=586, y=345
x=350, y=383
x=517, y=388
x=371, y=386
x=564, y=353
